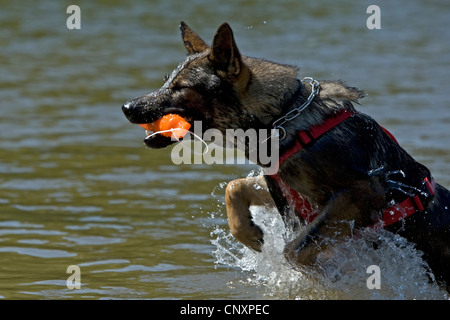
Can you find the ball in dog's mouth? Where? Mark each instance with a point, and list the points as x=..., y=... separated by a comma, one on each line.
x=166, y=130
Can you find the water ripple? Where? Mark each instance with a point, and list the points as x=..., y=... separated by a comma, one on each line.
x=40, y=253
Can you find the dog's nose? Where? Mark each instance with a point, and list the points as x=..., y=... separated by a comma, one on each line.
x=127, y=109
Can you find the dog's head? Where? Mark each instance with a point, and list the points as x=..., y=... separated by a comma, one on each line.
x=221, y=89
x=202, y=88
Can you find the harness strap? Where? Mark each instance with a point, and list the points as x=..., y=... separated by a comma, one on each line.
x=301, y=205
x=304, y=209
x=305, y=137
x=410, y=205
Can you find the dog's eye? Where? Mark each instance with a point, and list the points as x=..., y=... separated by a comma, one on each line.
x=178, y=85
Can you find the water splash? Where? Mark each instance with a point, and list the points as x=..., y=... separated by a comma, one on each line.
x=340, y=273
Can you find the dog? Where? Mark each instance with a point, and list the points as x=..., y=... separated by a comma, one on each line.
x=339, y=170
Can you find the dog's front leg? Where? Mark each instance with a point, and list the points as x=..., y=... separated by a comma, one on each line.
x=240, y=194
x=336, y=220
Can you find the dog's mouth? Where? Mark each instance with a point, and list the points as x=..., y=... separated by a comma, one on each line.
x=156, y=141
x=157, y=138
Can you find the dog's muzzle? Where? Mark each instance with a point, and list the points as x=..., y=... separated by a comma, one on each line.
x=134, y=111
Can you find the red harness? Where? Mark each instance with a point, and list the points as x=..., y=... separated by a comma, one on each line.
x=390, y=215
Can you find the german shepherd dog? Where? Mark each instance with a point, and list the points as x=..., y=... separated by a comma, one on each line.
x=353, y=171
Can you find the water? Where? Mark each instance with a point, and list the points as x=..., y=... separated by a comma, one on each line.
x=77, y=186
x=341, y=273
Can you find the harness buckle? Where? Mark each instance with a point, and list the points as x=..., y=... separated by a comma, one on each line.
x=426, y=192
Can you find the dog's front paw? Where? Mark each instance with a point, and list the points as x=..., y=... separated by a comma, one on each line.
x=249, y=234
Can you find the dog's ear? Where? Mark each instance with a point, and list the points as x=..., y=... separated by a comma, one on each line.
x=192, y=41
x=224, y=52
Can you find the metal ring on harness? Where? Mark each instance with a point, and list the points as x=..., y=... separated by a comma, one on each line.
x=277, y=135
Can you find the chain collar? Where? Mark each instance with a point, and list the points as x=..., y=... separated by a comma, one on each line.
x=294, y=113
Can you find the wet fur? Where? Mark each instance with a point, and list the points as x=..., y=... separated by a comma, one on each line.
x=225, y=90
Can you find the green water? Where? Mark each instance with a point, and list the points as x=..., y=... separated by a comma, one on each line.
x=77, y=186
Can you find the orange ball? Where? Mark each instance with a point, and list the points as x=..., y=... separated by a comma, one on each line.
x=177, y=124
